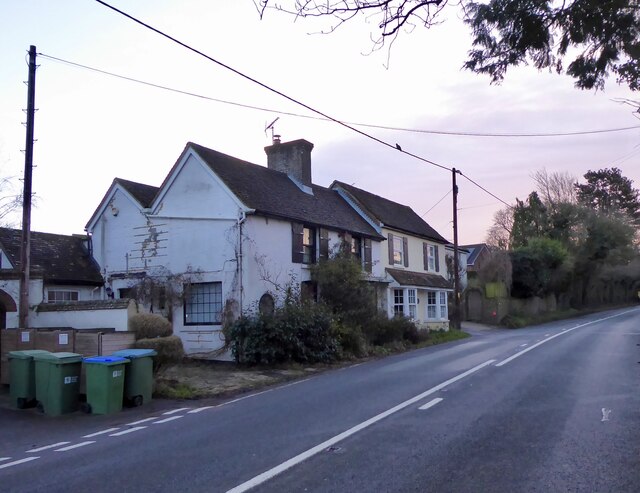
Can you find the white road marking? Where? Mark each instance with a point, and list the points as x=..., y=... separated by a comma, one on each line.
x=77, y=445
x=517, y=355
x=109, y=430
x=165, y=420
x=246, y=397
x=430, y=404
x=39, y=449
x=523, y=345
x=176, y=411
x=605, y=414
x=265, y=476
x=142, y=421
x=200, y=409
x=2, y=459
x=130, y=430
x=16, y=462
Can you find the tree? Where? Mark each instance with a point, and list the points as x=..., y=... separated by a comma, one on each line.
x=608, y=191
x=499, y=235
x=601, y=36
x=530, y=220
x=539, y=268
x=10, y=203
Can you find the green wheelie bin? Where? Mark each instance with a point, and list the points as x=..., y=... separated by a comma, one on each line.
x=22, y=380
x=58, y=382
x=105, y=384
x=138, y=381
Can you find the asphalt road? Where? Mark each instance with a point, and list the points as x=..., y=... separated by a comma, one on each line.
x=551, y=408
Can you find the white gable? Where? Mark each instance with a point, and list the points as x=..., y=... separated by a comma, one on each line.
x=5, y=263
x=193, y=190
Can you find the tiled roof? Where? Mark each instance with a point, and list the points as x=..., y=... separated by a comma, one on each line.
x=273, y=193
x=390, y=214
x=474, y=251
x=72, y=306
x=419, y=279
x=55, y=258
x=144, y=194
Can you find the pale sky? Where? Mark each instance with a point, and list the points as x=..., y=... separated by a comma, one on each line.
x=92, y=128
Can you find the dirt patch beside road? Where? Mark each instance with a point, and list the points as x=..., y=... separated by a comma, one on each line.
x=195, y=379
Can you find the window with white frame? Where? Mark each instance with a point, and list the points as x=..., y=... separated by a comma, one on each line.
x=412, y=302
x=398, y=302
x=431, y=257
x=443, y=305
x=203, y=304
x=398, y=250
x=61, y=296
x=437, y=305
x=432, y=309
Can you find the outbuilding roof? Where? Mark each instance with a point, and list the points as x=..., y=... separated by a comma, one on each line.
x=58, y=259
x=391, y=214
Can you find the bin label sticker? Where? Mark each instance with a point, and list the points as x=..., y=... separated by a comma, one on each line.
x=24, y=336
x=117, y=373
x=63, y=339
x=68, y=380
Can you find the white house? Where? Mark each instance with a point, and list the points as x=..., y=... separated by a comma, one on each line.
x=412, y=260
x=222, y=236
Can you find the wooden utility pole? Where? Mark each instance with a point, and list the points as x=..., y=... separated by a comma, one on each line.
x=25, y=250
x=456, y=267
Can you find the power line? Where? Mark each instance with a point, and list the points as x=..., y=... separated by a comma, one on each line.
x=269, y=88
x=357, y=124
x=434, y=205
x=485, y=190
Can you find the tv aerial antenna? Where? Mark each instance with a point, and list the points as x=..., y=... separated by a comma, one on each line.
x=275, y=138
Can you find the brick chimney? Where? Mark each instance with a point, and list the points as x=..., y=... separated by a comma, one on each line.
x=292, y=158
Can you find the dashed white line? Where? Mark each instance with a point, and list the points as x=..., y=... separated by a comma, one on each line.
x=142, y=421
x=39, y=449
x=16, y=462
x=130, y=430
x=200, y=409
x=2, y=459
x=176, y=411
x=523, y=345
x=265, y=476
x=166, y=420
x=77, y=445
x=539, y=343
x=430, y=404
x=109, y=430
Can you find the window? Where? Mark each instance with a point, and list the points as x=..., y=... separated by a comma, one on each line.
x=431, y=305
x=203, y=304
x=58, y=296
x=431, y=257
x=411, y=302
x=443, y=305
x=398, y=250
x=398, y=302
x=303, y=244
x=356, y=246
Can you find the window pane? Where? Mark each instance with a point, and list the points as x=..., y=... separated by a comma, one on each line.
x=204, y=304
x=397, y=250
x=431, y=312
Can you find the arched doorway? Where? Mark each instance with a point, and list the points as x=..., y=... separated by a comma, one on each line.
x=7, y=304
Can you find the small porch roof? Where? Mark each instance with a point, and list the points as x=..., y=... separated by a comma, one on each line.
x=419, y=279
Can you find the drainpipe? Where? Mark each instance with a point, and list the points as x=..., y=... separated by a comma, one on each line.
x=241, y=220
